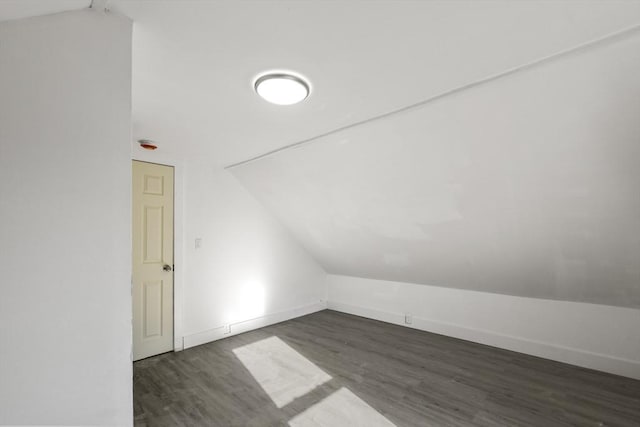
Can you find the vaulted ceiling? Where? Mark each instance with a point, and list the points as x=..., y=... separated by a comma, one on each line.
x=194, y=61
x=522, y=186
x=525, y=185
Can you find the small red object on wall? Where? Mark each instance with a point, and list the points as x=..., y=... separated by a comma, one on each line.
x=147, y=144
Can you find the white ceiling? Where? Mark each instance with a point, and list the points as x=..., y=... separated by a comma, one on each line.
x=194, y=61
x=475, y=164
x=526, y=185
x=16, y=9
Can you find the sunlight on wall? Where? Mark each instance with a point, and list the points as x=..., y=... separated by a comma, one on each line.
x=248, y=302
x=283, y=373
x=339, y=408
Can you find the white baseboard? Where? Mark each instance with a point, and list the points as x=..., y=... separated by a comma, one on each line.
x=236, y=328
x=573, y=356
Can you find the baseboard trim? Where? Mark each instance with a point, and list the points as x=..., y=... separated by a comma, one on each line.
x=573, y=356
x=236, y=328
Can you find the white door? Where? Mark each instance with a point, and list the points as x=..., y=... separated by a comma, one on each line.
x=152, y=259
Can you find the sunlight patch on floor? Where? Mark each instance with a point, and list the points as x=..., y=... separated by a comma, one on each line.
x=341, y=408
x=283, y=373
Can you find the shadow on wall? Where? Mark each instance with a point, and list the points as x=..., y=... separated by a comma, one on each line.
x=524, y=186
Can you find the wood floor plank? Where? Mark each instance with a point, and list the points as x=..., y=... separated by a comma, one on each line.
x=412, y=378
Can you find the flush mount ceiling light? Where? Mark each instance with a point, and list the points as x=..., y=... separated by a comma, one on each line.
x=282, y=88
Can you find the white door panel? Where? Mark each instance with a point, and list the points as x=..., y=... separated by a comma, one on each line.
x=152, y=252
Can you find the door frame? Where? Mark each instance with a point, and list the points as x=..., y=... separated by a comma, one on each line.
x=178, y=237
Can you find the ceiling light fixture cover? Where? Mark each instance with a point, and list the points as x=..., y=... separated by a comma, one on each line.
x=282, y=88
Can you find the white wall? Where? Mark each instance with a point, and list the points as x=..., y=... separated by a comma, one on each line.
x=65, y=295
x=248, y=266
x=249, y=271
x=600, y=337
x=526, y=185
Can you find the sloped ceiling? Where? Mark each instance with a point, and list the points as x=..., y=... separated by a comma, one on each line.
x=17, y=9
x=527, y=185
x=195, y=61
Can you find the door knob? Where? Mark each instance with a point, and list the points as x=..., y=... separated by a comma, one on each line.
x=167, y=267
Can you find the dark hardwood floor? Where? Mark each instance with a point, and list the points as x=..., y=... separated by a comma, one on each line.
x=410, y=377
